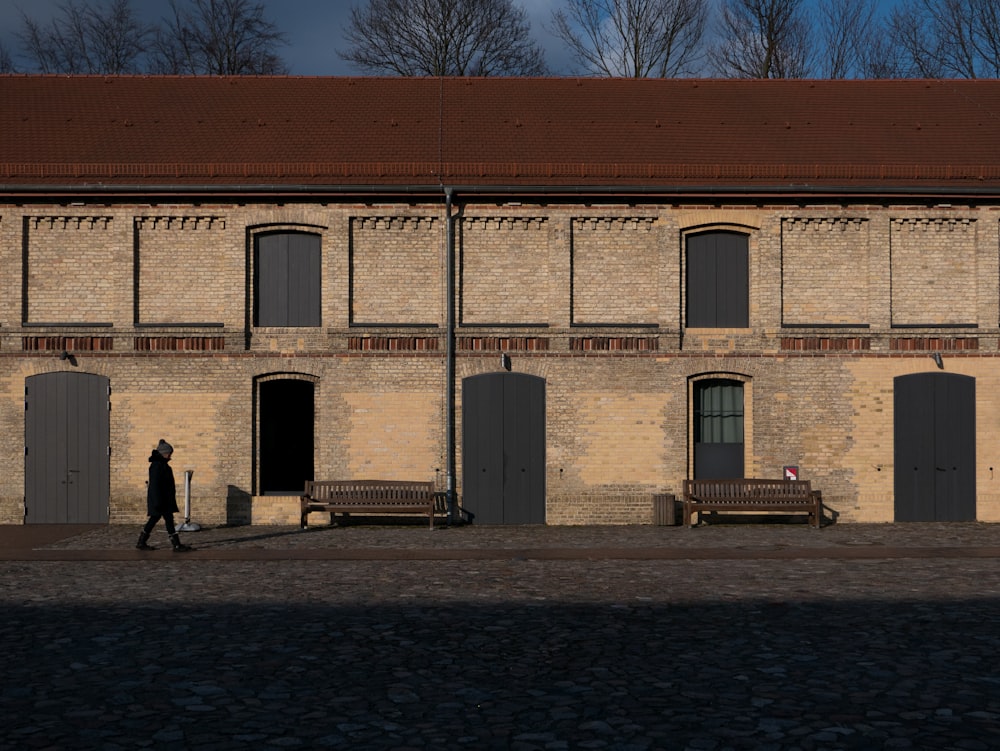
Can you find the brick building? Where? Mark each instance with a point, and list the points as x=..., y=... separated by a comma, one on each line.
x=291, y=278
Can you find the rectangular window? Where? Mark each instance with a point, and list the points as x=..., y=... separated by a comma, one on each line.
x=287, y=280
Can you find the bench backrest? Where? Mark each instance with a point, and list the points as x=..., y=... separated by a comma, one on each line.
x=370, y=490
x=745, y=490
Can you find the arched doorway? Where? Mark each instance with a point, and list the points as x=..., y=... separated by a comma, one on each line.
x=286, y=410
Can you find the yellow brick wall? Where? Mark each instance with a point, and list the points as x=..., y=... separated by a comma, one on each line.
x=397, y=269
x=615, y=270
x=933, y=268
x=618, y=421
x=77, y=268
x=185, y=278
x=506, y=269
x=823, y=265
x=400, y=435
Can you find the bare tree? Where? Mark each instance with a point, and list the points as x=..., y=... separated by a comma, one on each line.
x=218, y=37
x=846, y=30
x=6, y=61
x=634, y=38
x=910, y=35
x=763, y=39
x=442, y=38
x=949, y=38
x=87, y=38
x=881, y=57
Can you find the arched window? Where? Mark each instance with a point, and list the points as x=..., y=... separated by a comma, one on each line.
x=718, y=280
x=287, y=279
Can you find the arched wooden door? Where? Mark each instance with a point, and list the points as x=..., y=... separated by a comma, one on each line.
x=503, y=448
x=67, y=428
x=935, y=447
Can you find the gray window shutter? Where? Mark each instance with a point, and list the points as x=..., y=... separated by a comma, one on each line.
x=287, y=280
x=718, y=280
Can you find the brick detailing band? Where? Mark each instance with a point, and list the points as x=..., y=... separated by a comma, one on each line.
x=67, y=343
x=392, y=343
x=931, y=343
x=613, y=343
x=825, y=343
x=179, y=343
x=502, y=343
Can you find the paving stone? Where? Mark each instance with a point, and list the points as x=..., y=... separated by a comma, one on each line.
x=627, y=638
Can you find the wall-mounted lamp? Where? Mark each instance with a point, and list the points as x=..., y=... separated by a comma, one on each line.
x=505, y=361
x=64, y=356
x=937, y=360
x=67, y=356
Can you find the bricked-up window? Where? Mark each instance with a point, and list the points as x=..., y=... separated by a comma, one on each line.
x=718, y=280
x=287, y=279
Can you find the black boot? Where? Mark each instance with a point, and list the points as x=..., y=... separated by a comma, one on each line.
x=141, y=544
x=179, y=547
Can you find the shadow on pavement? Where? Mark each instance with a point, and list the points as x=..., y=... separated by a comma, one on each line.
x=747, y=675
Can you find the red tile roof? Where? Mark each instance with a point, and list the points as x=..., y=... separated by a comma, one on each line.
x=578, y=133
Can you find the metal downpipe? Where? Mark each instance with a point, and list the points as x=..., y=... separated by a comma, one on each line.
x=450, y=357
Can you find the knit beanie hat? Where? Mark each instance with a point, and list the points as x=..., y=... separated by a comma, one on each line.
x=164, y=448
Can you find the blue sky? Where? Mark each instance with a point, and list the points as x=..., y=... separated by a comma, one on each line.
x=313, y=27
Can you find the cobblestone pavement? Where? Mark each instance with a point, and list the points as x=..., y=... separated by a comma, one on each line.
x=396, y=637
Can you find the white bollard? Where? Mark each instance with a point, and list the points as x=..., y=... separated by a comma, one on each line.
x=188, y=525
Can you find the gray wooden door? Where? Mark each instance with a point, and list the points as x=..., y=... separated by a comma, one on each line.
x=503, y=448
x=934, y=447
x=67, y=437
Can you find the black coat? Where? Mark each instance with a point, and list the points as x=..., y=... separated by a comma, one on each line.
x=161, y=494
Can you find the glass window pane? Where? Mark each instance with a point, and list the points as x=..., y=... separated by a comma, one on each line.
x=718, y=411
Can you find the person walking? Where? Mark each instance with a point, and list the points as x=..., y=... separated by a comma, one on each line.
x=161, y=498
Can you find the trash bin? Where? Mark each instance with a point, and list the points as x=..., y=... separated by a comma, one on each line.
x=664, y=509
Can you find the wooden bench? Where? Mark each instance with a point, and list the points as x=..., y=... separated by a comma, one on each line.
x=741, y=495
x=368, y=497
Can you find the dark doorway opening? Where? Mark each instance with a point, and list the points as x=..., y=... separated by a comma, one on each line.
x=287, y=413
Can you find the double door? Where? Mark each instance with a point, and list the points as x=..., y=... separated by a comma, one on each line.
x=67, y=439
x=503, y=448
x=935, y=447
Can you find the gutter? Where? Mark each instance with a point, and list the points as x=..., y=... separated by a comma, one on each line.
x=9, y=190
